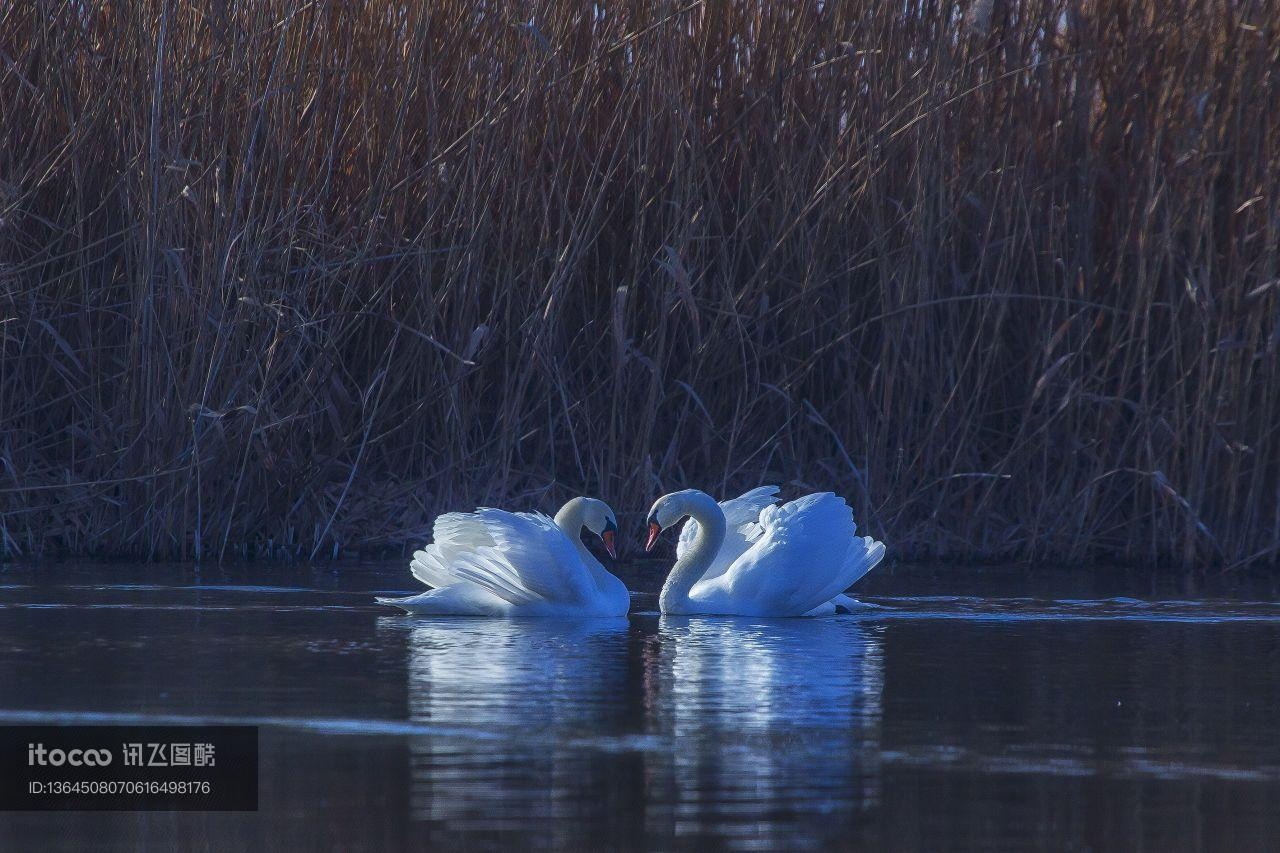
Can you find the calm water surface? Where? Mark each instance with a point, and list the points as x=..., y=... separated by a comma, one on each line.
x=962, y=709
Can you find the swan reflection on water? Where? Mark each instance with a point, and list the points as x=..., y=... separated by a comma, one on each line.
x=763, y=715
x=671, y=726
x=506, y=695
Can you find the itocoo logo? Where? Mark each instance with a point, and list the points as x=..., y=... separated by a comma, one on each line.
x=38, y=755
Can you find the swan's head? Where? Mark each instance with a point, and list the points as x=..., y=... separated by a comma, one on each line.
x=600, y=520
x=668, y=510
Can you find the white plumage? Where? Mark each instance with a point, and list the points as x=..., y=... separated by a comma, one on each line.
x=793, y=560
x=742, y=523
x=497, y=563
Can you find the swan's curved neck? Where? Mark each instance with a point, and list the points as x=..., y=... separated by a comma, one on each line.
x=570, y=520
x=674, y=597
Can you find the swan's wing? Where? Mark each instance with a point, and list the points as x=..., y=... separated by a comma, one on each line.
x=865, y=554
x=746, y=508
x=741, y=516
x=806, y=553
x=454, y=533
x=530, y=560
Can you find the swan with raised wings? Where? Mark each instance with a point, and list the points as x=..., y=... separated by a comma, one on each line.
x=742, y=527
x=496, y=563
x=793, y=560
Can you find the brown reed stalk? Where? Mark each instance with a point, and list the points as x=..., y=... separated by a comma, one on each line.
x=290, y=277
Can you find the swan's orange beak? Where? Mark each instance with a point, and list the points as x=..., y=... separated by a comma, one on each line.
x=654, y=531
x=609, y=546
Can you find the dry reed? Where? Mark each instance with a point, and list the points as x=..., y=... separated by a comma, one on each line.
x=291, y=277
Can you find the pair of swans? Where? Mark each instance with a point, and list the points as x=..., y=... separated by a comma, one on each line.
x=748, y=556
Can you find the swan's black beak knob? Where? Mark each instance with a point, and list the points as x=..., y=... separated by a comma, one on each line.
x=654, y=531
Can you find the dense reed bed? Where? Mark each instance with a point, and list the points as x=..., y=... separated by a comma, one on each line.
x=293, y=277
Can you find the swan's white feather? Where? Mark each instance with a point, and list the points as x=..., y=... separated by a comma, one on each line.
x=454, y=533
x=489, y=571
x=461, y=599
x=431, y=567
x=864, y=554
x=835, y=605
x=741, y=516
x=493, y=562
x=826, y=608
x=849, y=603
x=531, y=559
x=805, y=555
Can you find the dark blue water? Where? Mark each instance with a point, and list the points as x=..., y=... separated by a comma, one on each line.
x=961, y=709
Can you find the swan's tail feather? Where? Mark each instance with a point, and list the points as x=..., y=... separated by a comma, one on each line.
x=840, y=604
x=398, y=602
x=827, y=608
x=845, y=603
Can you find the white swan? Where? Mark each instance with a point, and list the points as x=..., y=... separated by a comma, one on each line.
x=794, y=561
x=496, y=563
x=742, y=527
